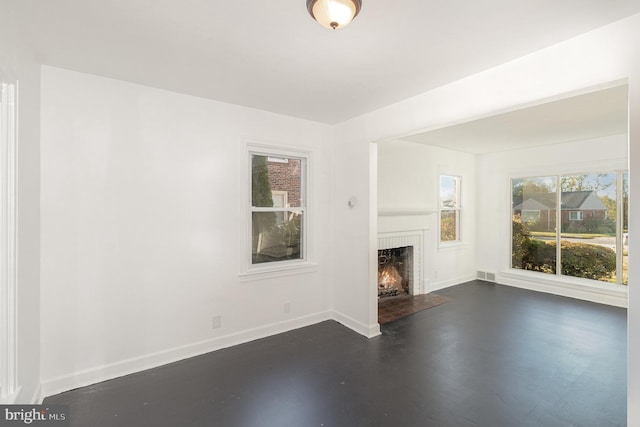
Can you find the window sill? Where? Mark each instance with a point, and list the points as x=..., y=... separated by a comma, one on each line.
x=272, y=271
x=405, y=212
x=568, y=282
x=453, y=246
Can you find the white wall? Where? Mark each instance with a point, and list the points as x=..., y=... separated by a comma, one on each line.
x=494, y=174
x=593, y=59
x=18, y=63
x=353, y=231
x=408, y=181
x=143, y=222
x=95, y=283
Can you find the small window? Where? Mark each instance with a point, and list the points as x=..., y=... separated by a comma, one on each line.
x=575, y=216
x=278, y=208
x=450, y=208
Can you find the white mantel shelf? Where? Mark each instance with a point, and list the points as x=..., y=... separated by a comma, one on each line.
x=405, y=212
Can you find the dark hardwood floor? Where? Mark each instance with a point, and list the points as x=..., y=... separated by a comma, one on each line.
x=492, y=356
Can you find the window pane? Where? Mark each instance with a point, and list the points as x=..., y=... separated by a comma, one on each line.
x=449, y=192
x=449, y=226
x=588, y=226
x=534, y=224
x=277, y=236
x=449, y=208
x=276, y=181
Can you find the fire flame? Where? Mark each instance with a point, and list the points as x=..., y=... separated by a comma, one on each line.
x=389, y=278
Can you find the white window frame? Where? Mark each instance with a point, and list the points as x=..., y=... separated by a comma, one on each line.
x=284, y=195
x=8, y=244
x=620, y=238
x=273, y=159
x=457, y=209
x=285, y=267
x=578, y=217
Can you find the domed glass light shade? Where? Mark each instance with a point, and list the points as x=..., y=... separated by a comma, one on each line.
x=334, y=14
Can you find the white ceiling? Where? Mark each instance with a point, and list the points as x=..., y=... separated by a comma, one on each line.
x=271, y=55
x=590, y=115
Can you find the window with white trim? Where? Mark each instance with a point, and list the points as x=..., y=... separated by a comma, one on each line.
x=278, y=207
x=582, y=228
x=450, y=208
x=576, y=216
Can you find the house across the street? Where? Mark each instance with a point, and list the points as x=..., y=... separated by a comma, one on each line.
x=578, y=208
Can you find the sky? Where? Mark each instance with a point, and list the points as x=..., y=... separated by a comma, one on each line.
x=605, y=183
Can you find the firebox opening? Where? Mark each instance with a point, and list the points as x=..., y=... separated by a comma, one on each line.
x=395, y=271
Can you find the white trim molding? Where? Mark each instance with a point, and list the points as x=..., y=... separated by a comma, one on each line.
x=51, y=386
x=269, y=269
x=369, y=331
x=583, y=289
x=405, y=212
x=8, y=243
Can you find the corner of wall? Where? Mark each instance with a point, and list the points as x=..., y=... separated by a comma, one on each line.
x=98, y=374
x=18, y=57
x=369, y=331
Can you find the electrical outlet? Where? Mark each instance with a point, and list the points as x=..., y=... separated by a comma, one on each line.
x=287, y=307
x=216, y=322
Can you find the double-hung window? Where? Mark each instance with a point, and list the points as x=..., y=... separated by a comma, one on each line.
x=278, y=207
x=450, y=208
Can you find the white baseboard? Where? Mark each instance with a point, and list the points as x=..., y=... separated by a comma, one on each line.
x=87, y=377
x=597, y=294
x=368, y=331
x=10, y=399
x=114, y=370
x=36, y=397
x=436, y=286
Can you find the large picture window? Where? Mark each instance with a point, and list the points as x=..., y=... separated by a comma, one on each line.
x=449, y=208
x=278, y=207
x=579, y=228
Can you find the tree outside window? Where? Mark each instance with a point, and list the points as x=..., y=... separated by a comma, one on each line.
x=450, y=207
x=581, y=230
x=277, y=208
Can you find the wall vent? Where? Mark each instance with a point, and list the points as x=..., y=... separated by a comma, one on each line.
x=483, y=275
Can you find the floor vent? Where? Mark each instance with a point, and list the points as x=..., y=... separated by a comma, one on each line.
x=490, y=277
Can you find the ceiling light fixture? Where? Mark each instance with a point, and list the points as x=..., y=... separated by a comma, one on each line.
x=334, y=14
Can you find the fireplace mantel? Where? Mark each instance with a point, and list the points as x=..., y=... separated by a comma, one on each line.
x=405, y=212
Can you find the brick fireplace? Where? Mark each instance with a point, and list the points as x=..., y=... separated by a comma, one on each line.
x=395, y=271
x=400, y=263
